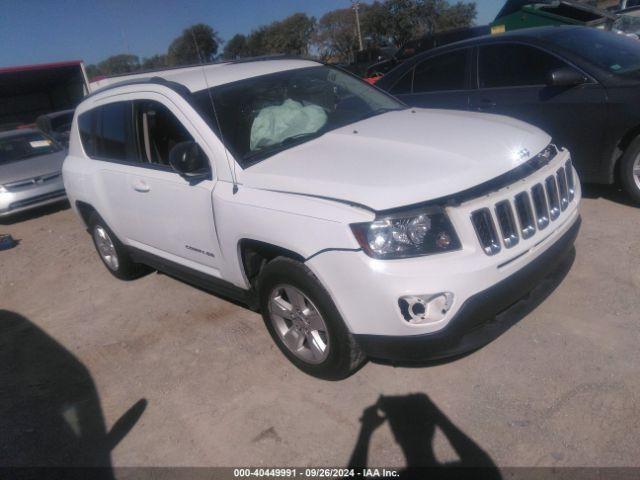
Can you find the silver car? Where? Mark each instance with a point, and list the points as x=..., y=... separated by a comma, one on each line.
x=30, y=171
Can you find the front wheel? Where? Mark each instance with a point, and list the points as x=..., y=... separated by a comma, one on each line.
x=630, y=171
x=305, y=323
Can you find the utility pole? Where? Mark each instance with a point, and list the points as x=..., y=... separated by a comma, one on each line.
x=356, y=7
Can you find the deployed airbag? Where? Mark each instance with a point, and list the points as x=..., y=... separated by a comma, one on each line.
x=274, y=124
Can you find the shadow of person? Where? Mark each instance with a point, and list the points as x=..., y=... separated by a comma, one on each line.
x=413, y=420
x=50, y=414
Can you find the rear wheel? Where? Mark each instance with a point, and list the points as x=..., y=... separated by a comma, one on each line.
x=305, y=323
x=630, y=171
x=112, y=253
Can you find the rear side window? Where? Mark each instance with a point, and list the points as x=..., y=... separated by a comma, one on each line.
x=113, y=131
x=444, y=72
x=514, y=65
x=86, y=127
x=106, y=132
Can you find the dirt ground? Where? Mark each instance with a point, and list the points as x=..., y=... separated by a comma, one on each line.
x=157, y=373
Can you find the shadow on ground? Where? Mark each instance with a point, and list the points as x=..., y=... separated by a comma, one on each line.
x=613, y=193
x=50, y=414
x=35, y=213
x=413, y=419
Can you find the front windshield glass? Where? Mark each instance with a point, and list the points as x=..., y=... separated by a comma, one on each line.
x=615, y=53
x=20, y=146
x=628, y=23
x=264, y=115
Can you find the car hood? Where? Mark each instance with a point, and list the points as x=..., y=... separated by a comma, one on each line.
x=400, y=158
x=31, y=167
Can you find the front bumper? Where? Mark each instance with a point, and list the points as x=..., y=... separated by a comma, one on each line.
x=35, y=196
x=473, y=325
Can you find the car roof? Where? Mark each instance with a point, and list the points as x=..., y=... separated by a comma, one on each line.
x=534, y=33
x=200, y=77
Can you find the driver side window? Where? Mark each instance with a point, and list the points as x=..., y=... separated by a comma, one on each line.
x=157, y=131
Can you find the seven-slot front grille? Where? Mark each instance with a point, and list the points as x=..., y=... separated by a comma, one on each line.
x=526, y=213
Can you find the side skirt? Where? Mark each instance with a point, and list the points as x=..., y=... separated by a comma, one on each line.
x=221, y=288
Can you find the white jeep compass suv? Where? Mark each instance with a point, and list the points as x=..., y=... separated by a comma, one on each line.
x=357, y=226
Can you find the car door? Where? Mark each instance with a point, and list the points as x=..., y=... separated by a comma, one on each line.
x=512, y=80
x=441, y=81
x=175, y=218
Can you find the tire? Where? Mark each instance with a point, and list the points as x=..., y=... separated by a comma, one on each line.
x=119, y=262
x=279, y=280
x=630, y=171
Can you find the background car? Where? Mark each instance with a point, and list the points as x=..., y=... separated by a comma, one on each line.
x=57, y=125
x=30, y=171
x=581, y=85
x=422, y=44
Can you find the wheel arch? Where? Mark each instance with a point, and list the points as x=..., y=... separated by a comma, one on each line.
x=85, y=210
x=254, y=254
x=619, y=150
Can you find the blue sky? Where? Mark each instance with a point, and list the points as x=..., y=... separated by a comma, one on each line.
x=35, y=31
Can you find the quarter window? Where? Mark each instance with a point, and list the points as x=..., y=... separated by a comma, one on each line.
x=513, y=65
x=86, y=127
x=444, y=72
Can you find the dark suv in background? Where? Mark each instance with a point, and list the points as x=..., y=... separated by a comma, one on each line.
x=581, y=85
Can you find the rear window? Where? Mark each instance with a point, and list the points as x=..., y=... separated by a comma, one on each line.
x=22, y=146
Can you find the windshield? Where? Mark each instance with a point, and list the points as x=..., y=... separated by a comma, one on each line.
x=617, y=54
x=21, y=146
x=628, y=23
x=264, y=115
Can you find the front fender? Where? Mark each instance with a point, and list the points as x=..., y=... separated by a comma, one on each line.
x=301, y=224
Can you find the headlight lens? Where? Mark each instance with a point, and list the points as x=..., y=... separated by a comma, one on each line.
x=409, y=234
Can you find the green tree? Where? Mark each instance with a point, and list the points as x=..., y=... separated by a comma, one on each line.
x=118, y=64
x=289, y=36
x=92, y=71
x=155, y=62
x=236, y=47
x=198, y=43
x=335, y=37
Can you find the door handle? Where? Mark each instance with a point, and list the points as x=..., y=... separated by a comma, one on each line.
x=140, y=186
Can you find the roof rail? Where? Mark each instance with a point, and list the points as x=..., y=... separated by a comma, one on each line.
x=275, y=56
x=175, y=86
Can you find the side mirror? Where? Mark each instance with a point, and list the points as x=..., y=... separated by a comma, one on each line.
x=565, y=77
x=188, y=159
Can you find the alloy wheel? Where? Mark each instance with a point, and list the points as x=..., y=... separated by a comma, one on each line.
x=299, y=324
x=636, y=172
x=106, y=248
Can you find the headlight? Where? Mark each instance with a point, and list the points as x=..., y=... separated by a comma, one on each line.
x=410, y=234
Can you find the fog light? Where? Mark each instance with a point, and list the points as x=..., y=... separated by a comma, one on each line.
x=418, y=309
